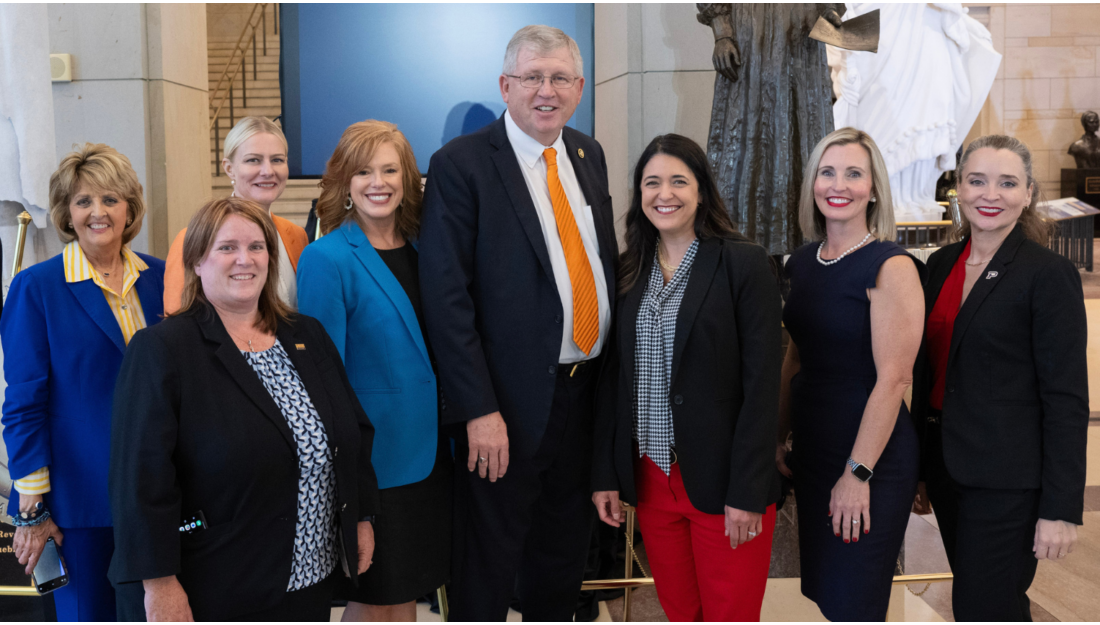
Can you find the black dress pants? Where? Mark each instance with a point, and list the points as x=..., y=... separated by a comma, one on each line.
x=988, y=535
x=530, y=529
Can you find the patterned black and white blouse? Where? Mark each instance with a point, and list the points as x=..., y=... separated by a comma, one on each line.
x=656, y=331
x=315, y=533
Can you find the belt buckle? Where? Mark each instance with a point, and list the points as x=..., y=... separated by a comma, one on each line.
x=574, y=369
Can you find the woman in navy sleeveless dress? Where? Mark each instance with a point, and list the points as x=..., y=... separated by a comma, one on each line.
x=842, y=391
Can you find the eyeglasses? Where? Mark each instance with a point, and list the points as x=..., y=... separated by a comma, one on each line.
x=535, y=81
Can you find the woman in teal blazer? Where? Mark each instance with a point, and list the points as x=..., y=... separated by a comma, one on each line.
x=361, y=282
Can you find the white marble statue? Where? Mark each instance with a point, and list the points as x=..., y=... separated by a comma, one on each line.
x=918, y=96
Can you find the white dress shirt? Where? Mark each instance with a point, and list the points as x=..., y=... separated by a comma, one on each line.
x=288, y=282
x=531, y=162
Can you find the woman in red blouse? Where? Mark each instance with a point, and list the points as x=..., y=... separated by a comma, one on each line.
x=1000, y=389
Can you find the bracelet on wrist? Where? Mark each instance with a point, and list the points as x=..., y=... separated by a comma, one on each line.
x=31, y=518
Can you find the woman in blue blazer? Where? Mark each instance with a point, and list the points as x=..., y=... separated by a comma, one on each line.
x=66, y=327
x=361, y=282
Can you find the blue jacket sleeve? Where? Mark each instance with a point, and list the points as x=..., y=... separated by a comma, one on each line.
x=24, y=333
x=321, y=295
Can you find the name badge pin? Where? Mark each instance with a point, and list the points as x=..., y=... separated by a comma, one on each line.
x=580, y=152
x=991, y=275
x=301, y=346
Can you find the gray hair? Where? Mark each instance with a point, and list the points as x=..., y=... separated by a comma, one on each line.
x=542, y=40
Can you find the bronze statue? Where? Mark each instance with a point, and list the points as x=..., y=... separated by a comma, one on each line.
x=1086, y=150
x=772, y=104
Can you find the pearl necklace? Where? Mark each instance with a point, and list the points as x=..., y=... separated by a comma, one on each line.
x=837, y=259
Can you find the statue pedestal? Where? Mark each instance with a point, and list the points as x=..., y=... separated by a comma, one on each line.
x=1083, y=184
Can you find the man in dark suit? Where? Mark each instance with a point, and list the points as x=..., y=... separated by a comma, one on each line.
x=517, y=256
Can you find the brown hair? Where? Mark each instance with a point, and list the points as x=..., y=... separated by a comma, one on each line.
x=711, y=218
x=198, y=241
x=103, y=168
x=354, y=151
x=1035, y=227
x=880, y=213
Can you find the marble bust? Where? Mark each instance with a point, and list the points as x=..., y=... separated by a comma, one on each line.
x=1086, y=150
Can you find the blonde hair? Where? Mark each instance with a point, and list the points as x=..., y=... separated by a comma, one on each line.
x=200, y=237
x=543, y=40
x=1035, y=227
x=104, y=169
x=245, y=130
x=880, y=213
x=354, y=151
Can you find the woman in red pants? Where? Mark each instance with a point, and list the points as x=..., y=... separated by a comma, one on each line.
x=688, y=401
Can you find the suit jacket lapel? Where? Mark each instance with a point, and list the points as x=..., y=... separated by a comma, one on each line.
x=94, y=302
x=150, y=291
x=297, y=347
x=992, y=275
x=516, y=186
x=243, y=374
x=628, y=316
x=378, y=270
x=605, y=231
x=702, y=273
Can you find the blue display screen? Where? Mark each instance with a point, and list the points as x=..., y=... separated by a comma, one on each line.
x=432, y=69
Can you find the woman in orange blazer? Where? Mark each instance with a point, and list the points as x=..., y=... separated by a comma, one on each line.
x=256, y=162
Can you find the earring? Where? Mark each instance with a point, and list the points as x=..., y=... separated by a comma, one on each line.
x=233, y=183
x=349, y=203
x=70, y=225
x=874, y=199
x=130, y=221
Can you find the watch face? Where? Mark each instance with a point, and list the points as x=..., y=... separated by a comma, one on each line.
x=862, y=473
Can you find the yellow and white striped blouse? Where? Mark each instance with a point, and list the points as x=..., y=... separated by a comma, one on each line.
x=126, y=307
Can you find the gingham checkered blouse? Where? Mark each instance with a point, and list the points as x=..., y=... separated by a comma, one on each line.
x=656, y=331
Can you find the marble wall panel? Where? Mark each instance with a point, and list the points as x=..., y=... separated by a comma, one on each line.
x=1027, y=20
x=1074, y=20
x=1026, y=93
x=1078, y=94
x=1063, y=62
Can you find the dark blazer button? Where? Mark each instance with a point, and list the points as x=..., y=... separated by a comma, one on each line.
x=679, y=399
x=553, y=369
x=951, y=389
x=557, y=319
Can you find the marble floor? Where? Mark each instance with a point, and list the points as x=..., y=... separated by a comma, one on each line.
x=1062, y=591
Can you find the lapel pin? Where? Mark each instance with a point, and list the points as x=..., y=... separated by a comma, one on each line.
x=301, y=346
x=991, y=275
x=580, y=152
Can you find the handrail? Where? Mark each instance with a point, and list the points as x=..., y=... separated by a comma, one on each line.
x=233, y=62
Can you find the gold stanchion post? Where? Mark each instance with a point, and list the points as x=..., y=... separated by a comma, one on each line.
x=20, y=241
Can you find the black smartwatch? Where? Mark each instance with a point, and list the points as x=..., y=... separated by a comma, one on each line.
x=861, y=472
x=367, y=519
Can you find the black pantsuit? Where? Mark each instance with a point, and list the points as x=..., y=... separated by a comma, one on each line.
x=534, y=524
x=1008, y=448
x=988, y=536
x=495, y=320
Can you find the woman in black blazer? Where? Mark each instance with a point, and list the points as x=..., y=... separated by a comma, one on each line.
x=1000, y=389
x=240, y=477
x=689, y=394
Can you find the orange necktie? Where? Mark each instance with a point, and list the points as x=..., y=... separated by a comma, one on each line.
x=586, y=308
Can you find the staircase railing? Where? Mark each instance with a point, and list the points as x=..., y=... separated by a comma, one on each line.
x=237, y=62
